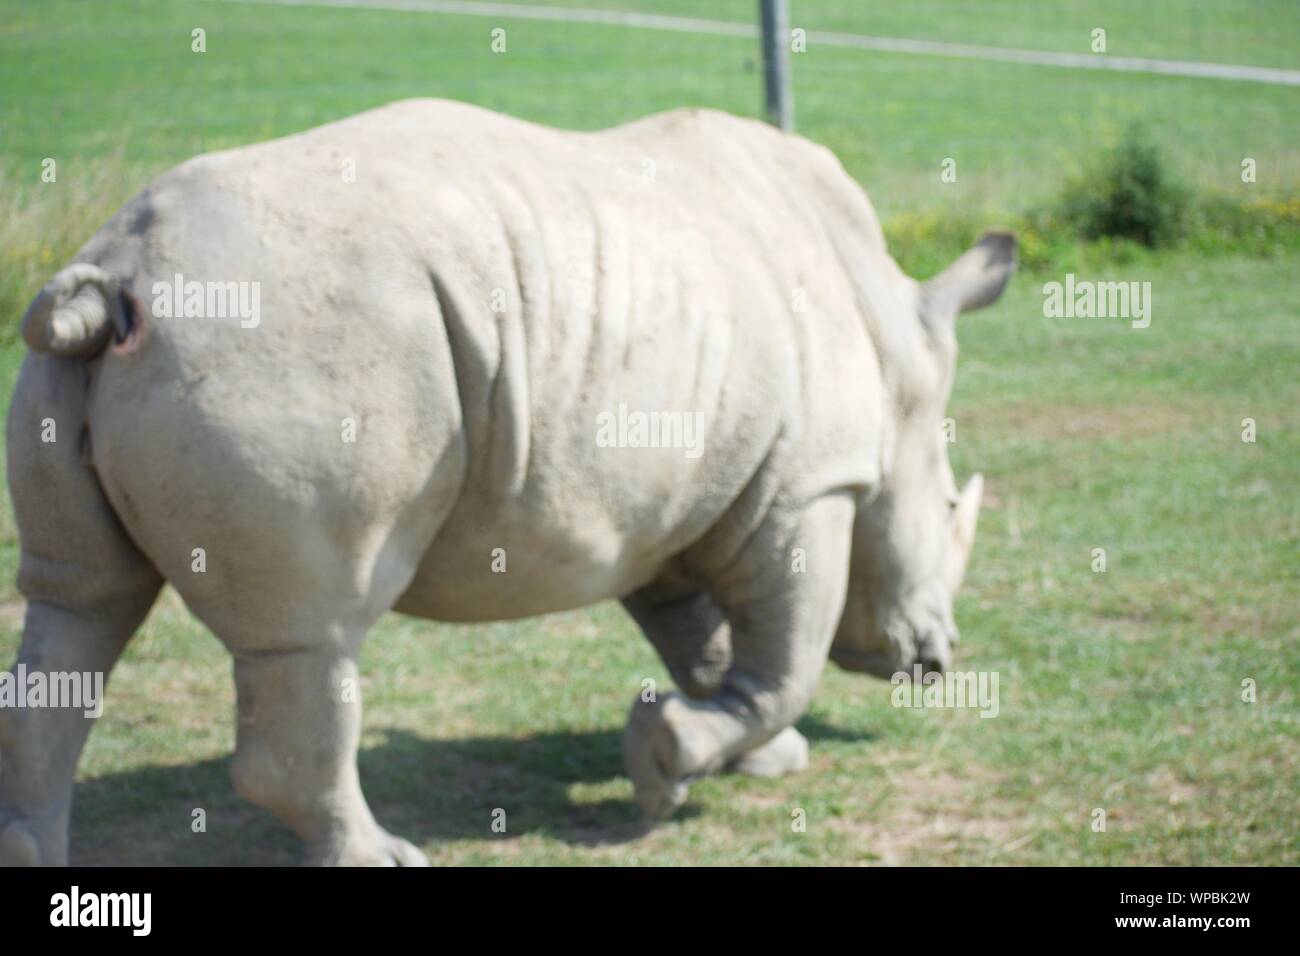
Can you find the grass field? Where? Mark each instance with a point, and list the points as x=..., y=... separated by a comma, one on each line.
x=1120, y=690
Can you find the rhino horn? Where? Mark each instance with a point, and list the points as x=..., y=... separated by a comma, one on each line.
x=964, y=520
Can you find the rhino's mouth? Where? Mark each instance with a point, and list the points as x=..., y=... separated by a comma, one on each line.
x=904, y=646
x=887, y=665
x=878, y=664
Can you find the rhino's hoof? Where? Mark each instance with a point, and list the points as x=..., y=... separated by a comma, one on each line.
x=401, y=852
x=651, y=754
x=383, y=849
x=787, y=752
x=18, y=846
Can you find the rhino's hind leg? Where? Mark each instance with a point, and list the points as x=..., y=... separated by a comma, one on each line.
x=295, y=637
x=299, y=726
x=782, y=623
x=41, y=745
x=87, y=589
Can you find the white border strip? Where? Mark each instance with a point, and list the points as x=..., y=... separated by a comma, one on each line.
x=962, y=51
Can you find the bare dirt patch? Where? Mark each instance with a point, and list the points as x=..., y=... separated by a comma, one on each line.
x=928, y=813
x=1119, y=422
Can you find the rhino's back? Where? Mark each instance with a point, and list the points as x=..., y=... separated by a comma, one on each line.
x=478, y=292
x=685, y=264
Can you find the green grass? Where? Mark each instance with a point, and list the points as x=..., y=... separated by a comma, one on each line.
x=1119, y=690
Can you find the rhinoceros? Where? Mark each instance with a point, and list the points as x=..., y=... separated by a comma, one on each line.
x=441, y=361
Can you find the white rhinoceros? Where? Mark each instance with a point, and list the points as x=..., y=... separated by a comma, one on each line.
x=442, y=361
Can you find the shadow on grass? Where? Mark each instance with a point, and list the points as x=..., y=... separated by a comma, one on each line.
x=427, y=790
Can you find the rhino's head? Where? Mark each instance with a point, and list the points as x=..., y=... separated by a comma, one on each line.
x=912, y=539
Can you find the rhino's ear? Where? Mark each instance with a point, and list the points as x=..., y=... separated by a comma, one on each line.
x=975, y=280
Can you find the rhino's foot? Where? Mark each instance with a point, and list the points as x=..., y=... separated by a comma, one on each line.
x=655, y=755
x=18, y=846
x=787, y=752
x=377, y=849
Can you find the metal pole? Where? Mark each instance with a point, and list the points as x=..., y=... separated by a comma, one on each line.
x=776, y=63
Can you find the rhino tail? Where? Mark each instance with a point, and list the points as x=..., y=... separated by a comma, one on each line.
x=77, y=312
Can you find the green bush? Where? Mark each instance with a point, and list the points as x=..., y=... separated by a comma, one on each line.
x=1127, y=194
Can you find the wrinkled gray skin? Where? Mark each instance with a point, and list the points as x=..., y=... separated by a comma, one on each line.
x=691, y=261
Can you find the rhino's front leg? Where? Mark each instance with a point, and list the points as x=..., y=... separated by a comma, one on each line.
x=690, y=633
x=693, y=639
x=787, y=752
x=783, y=617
